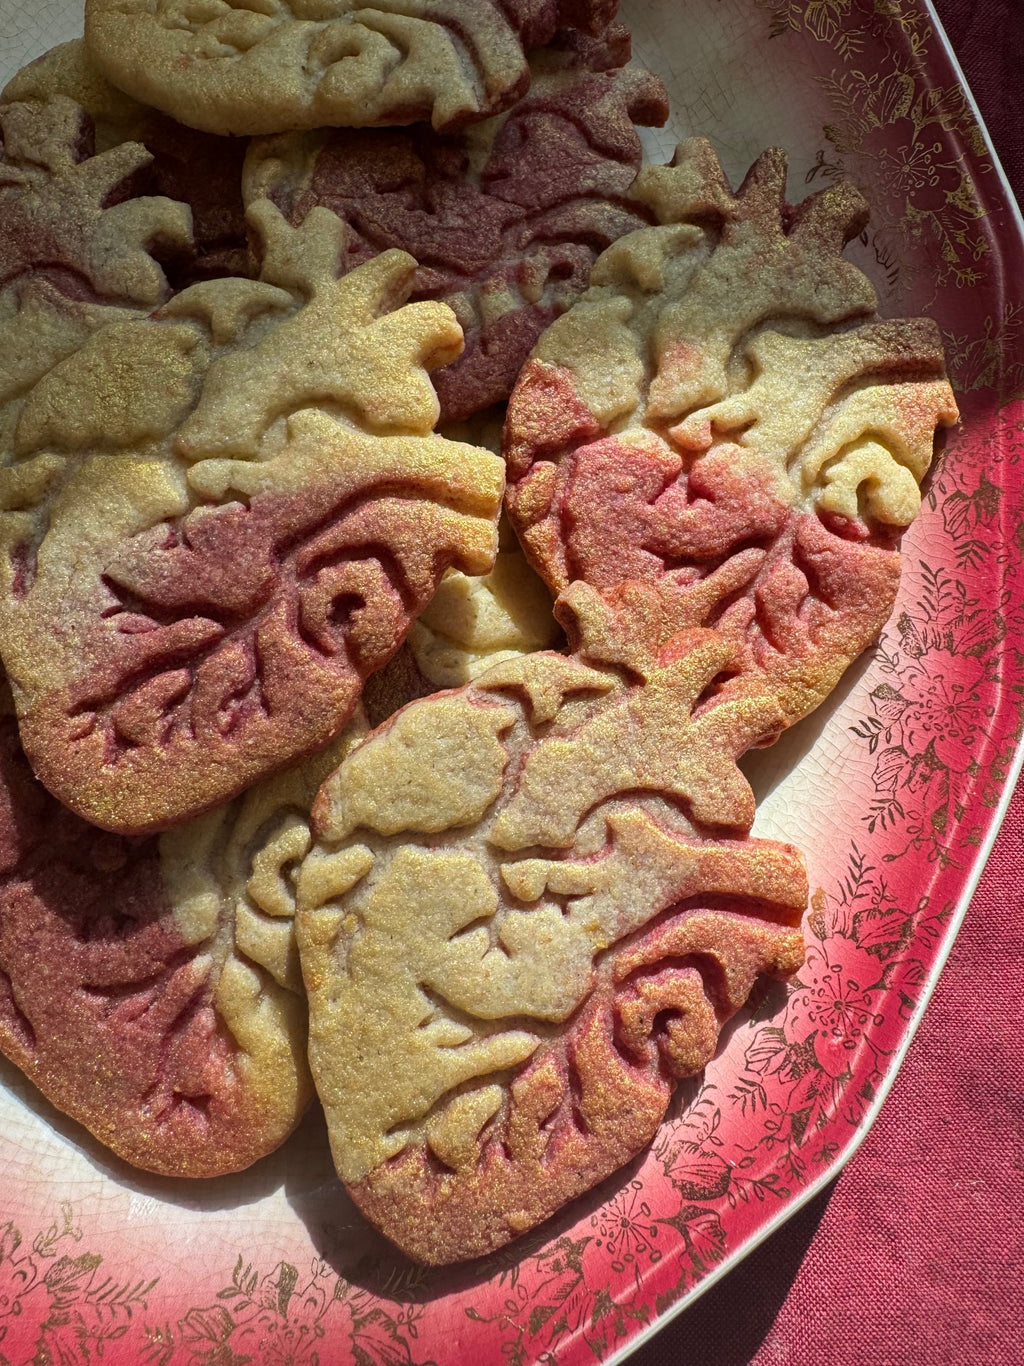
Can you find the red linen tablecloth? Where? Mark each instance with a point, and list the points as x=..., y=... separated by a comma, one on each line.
x=915, y=1257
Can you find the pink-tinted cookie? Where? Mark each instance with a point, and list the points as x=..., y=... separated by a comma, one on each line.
x=268, y=66
x=221, y=517
x=151, y=988
x=506, y=220
x=200, y=170
x=531, y=905
x=724, y=406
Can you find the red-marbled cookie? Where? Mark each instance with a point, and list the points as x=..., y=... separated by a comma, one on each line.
x=506, y=219
x=200, y=170
x=267, y=66
x=151, y=988
x=530, y=906
x=724, y=411
x=218, y=517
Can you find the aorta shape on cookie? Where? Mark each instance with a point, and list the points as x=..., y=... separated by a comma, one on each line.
x=223, y=514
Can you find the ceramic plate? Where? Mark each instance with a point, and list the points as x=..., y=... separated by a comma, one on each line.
x=894, y=794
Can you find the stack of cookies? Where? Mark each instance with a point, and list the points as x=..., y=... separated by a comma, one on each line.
x=270, y=275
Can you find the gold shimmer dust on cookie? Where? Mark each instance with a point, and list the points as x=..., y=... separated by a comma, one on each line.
x=530, y=906
x=78, y=249
x=151, y=988
x=220, y=516
x=725, y=398
x=267, y=66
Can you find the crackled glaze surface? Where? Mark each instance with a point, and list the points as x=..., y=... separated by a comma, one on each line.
x=221, y=517
x=266, y=66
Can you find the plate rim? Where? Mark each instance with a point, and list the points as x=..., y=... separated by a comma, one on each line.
x=1014, y=227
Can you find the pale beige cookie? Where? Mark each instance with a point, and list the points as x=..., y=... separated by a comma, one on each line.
x=474, y=622
x=151, y=989
x=221, y=517
x=530, y=906
x=267, y=66
x=725, y=398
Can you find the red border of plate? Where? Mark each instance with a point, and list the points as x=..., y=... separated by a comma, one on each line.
x=929, y=754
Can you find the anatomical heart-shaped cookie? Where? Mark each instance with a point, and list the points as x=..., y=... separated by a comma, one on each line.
x=725, y=400
x=530, y=907
x=151, y=988
x=264, y=66
x=505, y=219
x=223, y=516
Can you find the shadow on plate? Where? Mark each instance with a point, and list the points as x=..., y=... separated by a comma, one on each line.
x=210, y=1193
x=766, y=768
x=730, y=1322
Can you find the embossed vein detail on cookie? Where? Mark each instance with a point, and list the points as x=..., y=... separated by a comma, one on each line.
x=725, y=395
x=244, y=507
x=272, y=65
x=151, y=989
x=506, y=220
x=530, y=906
